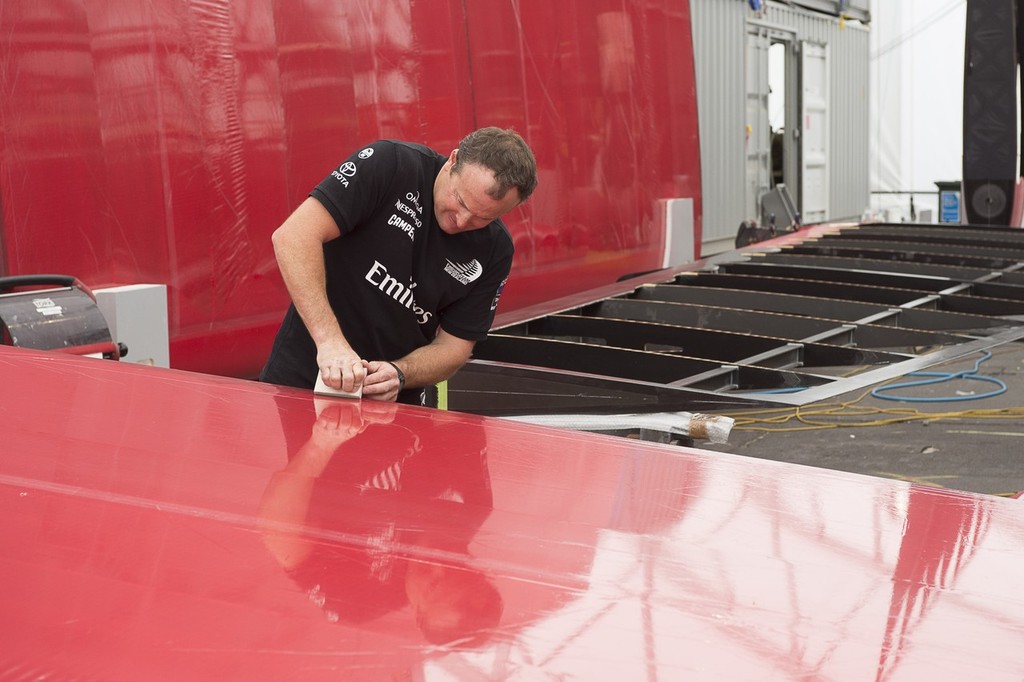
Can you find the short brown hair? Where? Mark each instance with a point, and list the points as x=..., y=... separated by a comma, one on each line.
x=504, y=153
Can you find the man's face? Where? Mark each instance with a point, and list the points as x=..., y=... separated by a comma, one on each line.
x=461, y=202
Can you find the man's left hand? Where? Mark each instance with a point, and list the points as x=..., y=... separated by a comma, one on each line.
x=382, y=382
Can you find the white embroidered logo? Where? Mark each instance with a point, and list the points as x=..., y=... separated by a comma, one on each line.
x=465, y=272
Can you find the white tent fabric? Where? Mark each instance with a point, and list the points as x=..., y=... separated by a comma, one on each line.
x=917, y=50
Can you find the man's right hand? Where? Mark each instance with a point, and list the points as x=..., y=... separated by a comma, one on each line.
x=340, y=366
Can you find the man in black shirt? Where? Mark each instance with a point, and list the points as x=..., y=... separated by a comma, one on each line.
x=395, y=264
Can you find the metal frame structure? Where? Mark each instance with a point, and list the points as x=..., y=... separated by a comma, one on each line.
x=809, y=316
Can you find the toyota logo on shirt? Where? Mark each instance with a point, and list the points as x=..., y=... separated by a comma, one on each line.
x=344, y=172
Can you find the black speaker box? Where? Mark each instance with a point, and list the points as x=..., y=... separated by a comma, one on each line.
x=990, y=111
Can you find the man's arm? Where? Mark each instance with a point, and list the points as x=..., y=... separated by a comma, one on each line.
x=425, y=366
x=298, y=245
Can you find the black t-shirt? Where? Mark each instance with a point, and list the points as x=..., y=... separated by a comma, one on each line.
x=394, y=277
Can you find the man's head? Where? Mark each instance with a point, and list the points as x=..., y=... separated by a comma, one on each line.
x=455, y=604
x=491, y=172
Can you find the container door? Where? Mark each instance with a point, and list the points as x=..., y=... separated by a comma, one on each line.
x=758, y=127
x=814, y=152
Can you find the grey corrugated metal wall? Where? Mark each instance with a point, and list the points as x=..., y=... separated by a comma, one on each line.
x=720, y=38
x=719, y=45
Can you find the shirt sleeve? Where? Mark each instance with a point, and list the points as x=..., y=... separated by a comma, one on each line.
x=354, y=190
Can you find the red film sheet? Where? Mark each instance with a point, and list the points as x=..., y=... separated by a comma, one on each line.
x=163, y=142
x=161, y=524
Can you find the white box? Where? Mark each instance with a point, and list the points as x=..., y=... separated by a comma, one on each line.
x=137, y=317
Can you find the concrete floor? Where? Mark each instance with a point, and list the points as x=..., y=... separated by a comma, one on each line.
x=954, y=449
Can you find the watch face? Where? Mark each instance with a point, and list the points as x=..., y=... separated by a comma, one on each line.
x=988, y=200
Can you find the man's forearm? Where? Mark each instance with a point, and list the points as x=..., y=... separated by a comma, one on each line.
x=436, y=361
x=302, y=268
x=298, y=246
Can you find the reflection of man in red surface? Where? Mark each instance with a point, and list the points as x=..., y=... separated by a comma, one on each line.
x=368, y=529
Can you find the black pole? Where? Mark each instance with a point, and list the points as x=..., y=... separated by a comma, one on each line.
x=1020, y=51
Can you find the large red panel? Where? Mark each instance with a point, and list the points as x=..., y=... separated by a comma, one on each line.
x=165, y=141
x=608, y=99
x=52, y=168
x=160, y=524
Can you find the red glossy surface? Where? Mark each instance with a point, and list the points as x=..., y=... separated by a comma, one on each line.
x=155, y=527
x=161, y=141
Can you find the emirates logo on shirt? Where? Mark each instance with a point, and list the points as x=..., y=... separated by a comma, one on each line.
x=465, y=272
